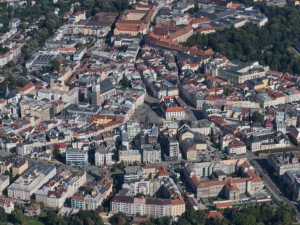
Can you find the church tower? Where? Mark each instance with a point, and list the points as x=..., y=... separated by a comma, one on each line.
x=96, y=98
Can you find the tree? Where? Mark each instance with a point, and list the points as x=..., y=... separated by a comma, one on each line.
x=119, y=219
x=182, y=163
x=42, y=204
x=25, y=71
x=226, y=91
x=139, y=195
x=122, y=165
x=113, y=169
x=257, y=117
x=122, y=147
x=125, y=81
x=174, y=177
x=51, y=217
x=23, y=26
x=18, y=216
x=144, y=164
x=10, y=64
x=3, y=215
x=55, y=64
x=56, y=152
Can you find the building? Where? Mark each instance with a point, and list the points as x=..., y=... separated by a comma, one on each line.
x=133, y=172
x=14, y=23
x=219, y=184
x=100, y=191
x=4, y=182
x=239, y=72
x=82, y=109
x=133, y=132
x=130, y=156
x=171, y=147
x=76, y=157
x=103, y=156
x=267, y=140
x=96, y=98
x=62, y=186
x=33, y=210
x=171, y=108
x=13, y=165
x=151, y=153
x=30, y=181
x=236, y=147
x=137, y=20
x=55, y=94
x=291, y=178
x=284, y=162
x=148, y=206
x=7, y=204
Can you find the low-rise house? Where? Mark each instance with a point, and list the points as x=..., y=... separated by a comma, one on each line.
x=33, y=210
x=236, y=147
x=7, y=204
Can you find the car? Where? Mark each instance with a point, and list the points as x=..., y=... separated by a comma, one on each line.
x=186, y=110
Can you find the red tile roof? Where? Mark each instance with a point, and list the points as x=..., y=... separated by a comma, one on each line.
x=213, y=214
x=223, y=205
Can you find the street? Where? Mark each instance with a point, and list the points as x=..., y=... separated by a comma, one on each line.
x=272, y=187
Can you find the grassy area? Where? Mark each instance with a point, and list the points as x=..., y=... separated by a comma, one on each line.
x=32, y=221
x=35, y=220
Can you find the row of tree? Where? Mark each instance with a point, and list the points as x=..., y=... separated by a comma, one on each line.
x=270, y=44
x=252, y=215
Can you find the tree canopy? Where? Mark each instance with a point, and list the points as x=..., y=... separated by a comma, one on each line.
x=257, y=117
x=271, y=44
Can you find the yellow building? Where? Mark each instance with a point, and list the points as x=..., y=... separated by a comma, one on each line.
x=19, y=167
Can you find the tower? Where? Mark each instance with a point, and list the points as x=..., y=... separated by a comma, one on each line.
x=96, y=98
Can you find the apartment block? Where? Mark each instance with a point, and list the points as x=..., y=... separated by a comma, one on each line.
x=30, y=181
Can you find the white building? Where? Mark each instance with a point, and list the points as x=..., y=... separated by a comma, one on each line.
x=54, y=94
x=77, y=157
x=236, y=147
x=7, y=204
x=103, y=156
x=30, y=181
x=14, y=23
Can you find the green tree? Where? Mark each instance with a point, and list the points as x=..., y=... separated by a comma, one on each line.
x=119, y=219
x=3, y=215
x=174, y=177
x=24, y=71
x=113, y=169
x=18, y=216
x=122, y=147
x=42, y=205
x=257, y=117
x=56, y=152
x=10, y=64
x=52, y=218
x=55, y=64
x=139, y=195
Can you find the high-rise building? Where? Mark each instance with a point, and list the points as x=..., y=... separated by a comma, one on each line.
x=96, y=98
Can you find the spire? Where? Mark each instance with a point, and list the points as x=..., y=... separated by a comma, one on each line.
x=147, y=119
x=7, y=92
x=105, y=171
